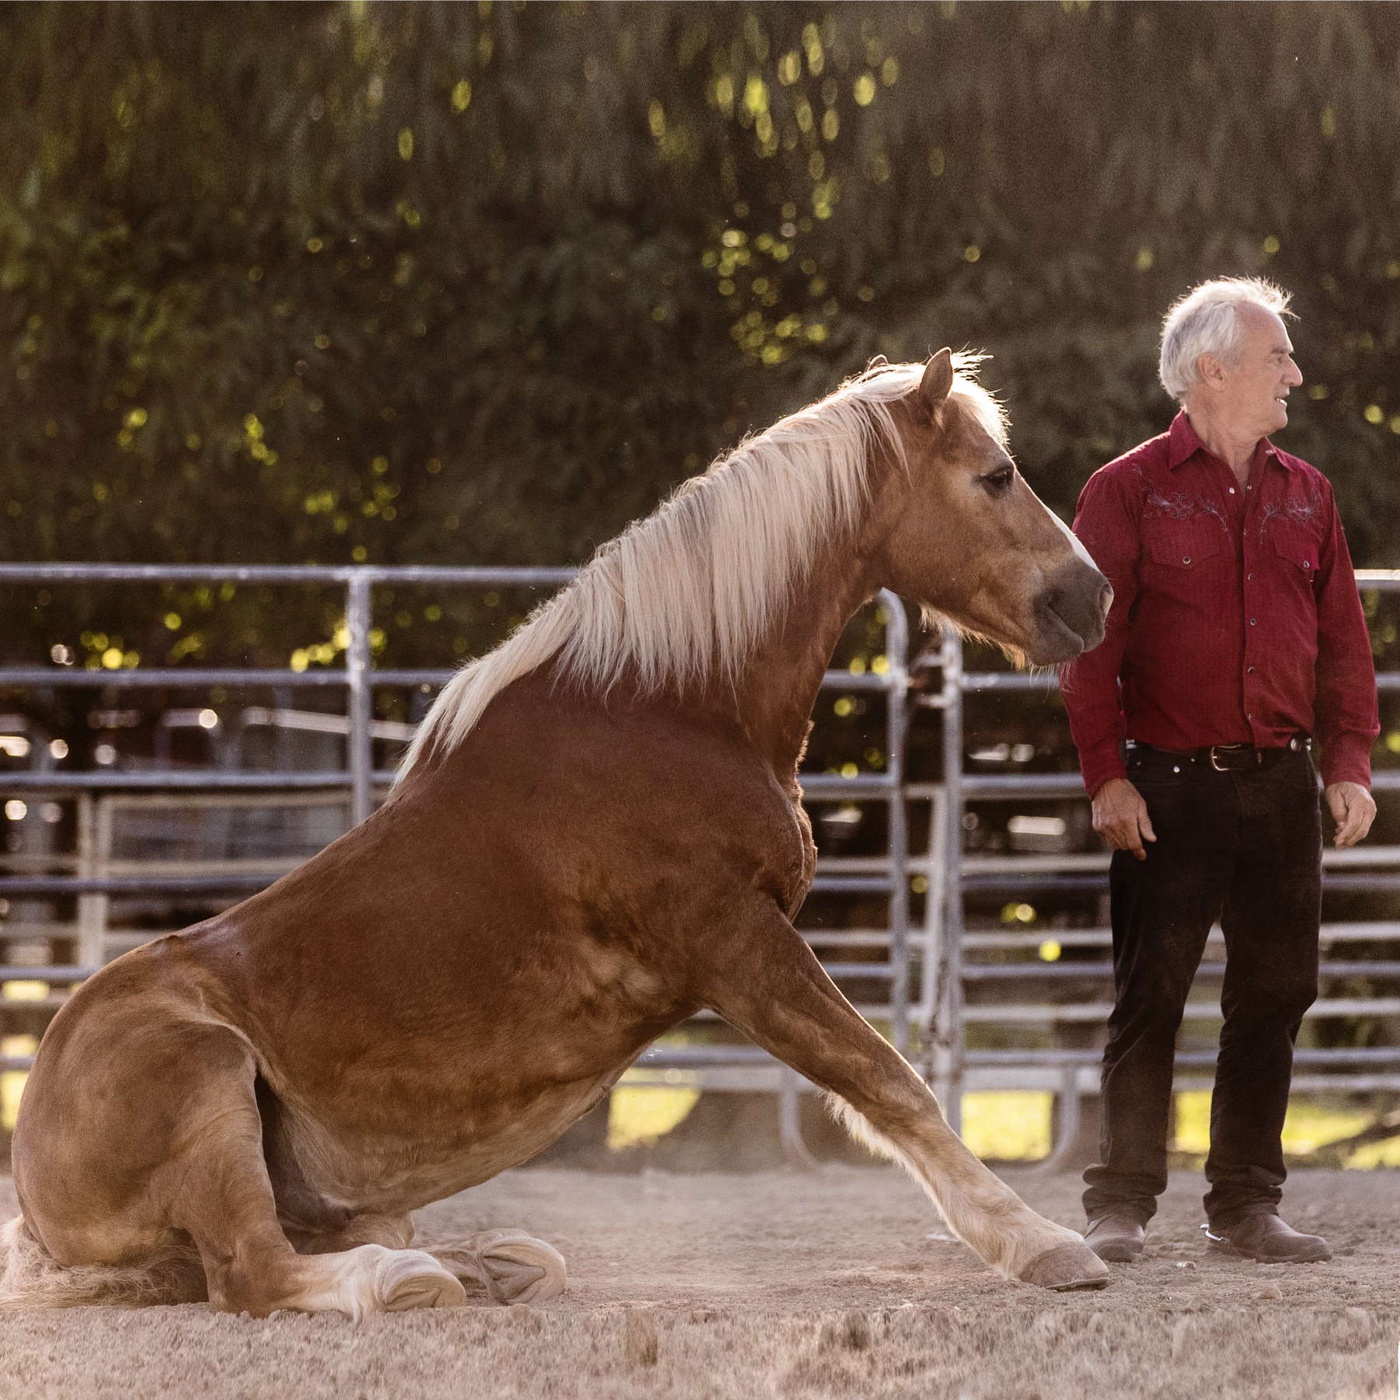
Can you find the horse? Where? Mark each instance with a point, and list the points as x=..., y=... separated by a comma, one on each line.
x=596, y=833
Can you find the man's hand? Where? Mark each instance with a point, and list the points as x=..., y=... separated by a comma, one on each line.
x=1352, y=808
x=1120, y=816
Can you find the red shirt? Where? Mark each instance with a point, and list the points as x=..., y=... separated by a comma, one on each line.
x=1235, y=613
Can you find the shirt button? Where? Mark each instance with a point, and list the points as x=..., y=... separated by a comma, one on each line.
x=1253, y=621
x=1249, y=670
x=1232, y=490
x=1185, y=558
x=1250, y=578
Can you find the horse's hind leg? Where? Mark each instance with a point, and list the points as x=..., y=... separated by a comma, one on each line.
x=219, y=1192
x=768, y=983
x=506, y=1264
x=509, y=1266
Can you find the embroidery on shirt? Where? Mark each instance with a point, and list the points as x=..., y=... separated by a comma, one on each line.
x=1181, y=505
x=1297, y=510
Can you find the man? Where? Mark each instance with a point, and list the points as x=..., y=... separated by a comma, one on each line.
x=1236, y=639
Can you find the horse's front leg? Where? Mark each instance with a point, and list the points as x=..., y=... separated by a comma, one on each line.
x=769, y=984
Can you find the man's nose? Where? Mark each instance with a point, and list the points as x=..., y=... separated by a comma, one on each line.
x=1294, y=375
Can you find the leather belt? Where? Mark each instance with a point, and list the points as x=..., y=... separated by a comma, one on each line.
x=1226, y=758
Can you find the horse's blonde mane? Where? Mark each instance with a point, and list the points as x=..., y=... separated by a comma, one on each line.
x=686, y=593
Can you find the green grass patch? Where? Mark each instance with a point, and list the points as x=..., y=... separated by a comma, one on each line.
x=637, y=1115
x=1309, y=1125
x=1007, y=1126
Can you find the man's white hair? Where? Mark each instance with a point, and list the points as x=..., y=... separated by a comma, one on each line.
x=1205, y=322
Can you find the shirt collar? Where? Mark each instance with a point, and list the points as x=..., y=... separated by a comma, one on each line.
x=1183, y=442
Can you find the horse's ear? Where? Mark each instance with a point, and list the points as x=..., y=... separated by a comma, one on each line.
x=879, y=362
x=937, y=382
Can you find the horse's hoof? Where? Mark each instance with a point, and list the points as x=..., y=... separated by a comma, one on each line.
x=521, y=1268
x=1065, y=1267
x=412, y=1279
x=510, y=1265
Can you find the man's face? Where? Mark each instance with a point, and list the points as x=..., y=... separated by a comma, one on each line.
x=1253, y=389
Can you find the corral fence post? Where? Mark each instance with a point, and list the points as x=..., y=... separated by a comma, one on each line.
x=897, y=845
x=358, y=617
x=948, y=1072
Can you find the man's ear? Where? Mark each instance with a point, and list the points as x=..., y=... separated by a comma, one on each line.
x=1211, y=368
x=937, y=382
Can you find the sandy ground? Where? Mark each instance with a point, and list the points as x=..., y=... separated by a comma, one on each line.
x=825, y=1283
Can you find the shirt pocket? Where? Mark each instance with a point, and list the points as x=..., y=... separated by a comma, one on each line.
x=1185, y=545
x=1296, y=549
x=1186, y=566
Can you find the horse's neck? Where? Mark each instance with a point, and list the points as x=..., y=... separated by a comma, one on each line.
x=778, y=688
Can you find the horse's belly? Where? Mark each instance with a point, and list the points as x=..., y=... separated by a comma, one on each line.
x=368, y=1167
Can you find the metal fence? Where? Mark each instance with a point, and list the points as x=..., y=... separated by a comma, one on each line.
x=94, y=873
x=975, y=1005
x=1000, y=1003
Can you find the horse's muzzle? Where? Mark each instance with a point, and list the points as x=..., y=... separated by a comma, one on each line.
x=1070, y=613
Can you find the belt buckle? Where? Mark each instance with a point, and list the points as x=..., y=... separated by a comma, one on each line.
x=1216, y=750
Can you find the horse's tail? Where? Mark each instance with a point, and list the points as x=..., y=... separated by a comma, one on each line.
x=30, y=1277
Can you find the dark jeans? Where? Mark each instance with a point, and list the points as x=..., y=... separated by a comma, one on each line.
x=1244, y=847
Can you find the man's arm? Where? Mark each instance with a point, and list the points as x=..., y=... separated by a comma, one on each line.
x=1345, y=710
x=1106, y=524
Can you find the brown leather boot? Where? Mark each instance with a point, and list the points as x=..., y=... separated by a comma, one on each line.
x=1116, y=1239
x=1268, y=1239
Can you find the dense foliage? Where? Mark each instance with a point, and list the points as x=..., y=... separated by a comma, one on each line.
x=473, y=283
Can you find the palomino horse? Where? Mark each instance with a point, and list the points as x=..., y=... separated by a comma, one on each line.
x=596, y=833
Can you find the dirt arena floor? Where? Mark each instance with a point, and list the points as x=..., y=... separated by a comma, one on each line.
x=833, y=1282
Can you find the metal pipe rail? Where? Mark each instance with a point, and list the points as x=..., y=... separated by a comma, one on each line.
x=1040, y=971
x=816, y=785
x=1192, y=1059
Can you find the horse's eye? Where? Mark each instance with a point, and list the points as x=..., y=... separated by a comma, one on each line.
x=999, y=481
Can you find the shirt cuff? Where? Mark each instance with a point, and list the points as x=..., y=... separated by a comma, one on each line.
x=1101, y=764
x=1346, y=758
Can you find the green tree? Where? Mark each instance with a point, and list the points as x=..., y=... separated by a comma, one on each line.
x=450, y=283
